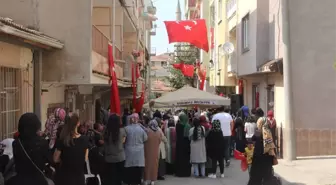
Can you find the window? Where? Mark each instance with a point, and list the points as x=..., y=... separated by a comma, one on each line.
x=220, y=11
x=164, y=64
x=270, y=97
x=10, y=101
x=245, y=33
x=255, y=96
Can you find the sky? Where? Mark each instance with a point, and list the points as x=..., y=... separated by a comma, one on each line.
x=165, y=12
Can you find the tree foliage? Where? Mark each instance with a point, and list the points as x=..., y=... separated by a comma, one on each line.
x=188, y=54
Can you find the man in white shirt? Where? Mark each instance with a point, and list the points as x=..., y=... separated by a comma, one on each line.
x=226, y=122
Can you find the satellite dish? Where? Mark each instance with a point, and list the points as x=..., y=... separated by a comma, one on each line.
x=228, y=48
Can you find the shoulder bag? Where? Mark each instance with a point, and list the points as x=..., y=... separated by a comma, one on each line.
x=49, y=181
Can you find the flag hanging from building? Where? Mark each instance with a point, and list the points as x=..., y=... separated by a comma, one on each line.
x=190, y=31
x=141, y=100
x=114, y=97
x=134, y=86
x=186, y=69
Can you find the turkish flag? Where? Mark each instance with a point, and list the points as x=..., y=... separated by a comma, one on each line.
x=141, y=100
x=114, y=97
x=134, y=86
x=190, y=31
x=186, y=69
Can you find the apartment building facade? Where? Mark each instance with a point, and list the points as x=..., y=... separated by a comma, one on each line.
x=79, y=74
x=218, y=76
x=256, y=28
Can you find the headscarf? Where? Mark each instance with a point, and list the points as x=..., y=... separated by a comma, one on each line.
x=204, y=122
x=216, y=126
x=7, y=147
x=52, y=124
x=270, y=117
x=153, y=125
x=134, y=118
x=157, y=114
x=185, y=122
x=29, y=124
x=265, y=130
x=245, y=111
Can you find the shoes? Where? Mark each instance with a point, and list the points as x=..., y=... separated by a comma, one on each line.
x=213, y=176
x=227, y=164
x=152, y=183
x=161, y=178
x=222, y=175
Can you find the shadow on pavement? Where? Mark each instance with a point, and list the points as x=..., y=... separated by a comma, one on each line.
x=285, y=182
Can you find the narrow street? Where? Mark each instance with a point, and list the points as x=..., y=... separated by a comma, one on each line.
x=299, y=172
x=233, y=176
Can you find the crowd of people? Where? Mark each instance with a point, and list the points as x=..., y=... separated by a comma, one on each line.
x=137, y=148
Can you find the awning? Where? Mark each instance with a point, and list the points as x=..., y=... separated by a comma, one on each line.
x=9, y=27
x=275, y=65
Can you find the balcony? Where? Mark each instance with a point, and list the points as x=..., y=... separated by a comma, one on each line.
x=231, y=8
x=100, y=63
x=232, y=65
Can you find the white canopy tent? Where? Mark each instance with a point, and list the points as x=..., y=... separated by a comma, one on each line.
x=189, y=96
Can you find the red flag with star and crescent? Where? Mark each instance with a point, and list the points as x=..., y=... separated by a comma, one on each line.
x=114, y=98
x=190, y=31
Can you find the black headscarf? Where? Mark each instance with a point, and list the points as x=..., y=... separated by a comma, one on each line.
x=29, y=125
x=157, y=114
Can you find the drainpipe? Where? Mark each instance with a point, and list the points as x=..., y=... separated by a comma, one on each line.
x=289, y=127
x=37, y=69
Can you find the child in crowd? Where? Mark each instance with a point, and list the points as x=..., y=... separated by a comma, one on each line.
x=250, y=128
x=249, y=154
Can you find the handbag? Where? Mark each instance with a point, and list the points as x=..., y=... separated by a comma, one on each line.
x=49, y=181
x=275, y=161
x=91, y=179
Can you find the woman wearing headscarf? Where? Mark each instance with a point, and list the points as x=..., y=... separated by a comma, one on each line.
x=273, y=126
x=162, y=152
x=170, y=133
x=182, y=163
x=205, y=123
x=239, y=128
x=215, y=148
x=30, y=152
x=55, y=121
x=264, y=155
x=197, y=148
x=152, y=152
x=134, y=151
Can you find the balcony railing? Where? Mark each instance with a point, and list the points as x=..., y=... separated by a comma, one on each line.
x=231, y=8
x=99, y=42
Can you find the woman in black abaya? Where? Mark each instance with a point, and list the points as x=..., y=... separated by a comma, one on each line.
x=182, y=162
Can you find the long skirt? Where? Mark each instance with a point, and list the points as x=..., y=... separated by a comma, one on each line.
x=182, y=162
x=133, y=175
x=261, y=170
x=162, y=167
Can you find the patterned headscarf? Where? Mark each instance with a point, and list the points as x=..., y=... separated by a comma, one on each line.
x=153, y=125
x=265, y=130
x=216, y=126
x=52, y=124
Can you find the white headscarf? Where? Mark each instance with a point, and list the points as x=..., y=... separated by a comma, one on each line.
x=9, y=148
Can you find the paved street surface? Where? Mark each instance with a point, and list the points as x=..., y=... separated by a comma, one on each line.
x=301, y=172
